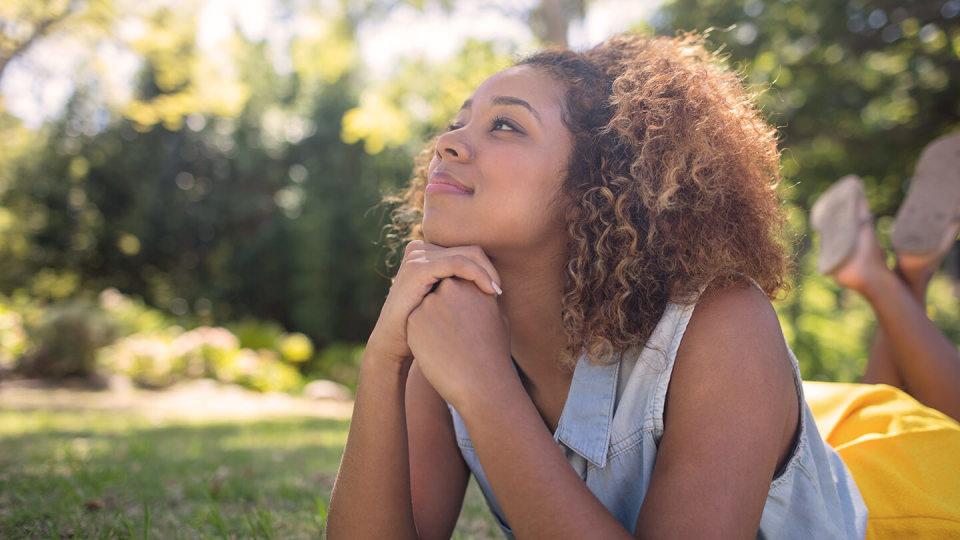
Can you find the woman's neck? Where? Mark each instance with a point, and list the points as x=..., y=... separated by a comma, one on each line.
x=532, y=301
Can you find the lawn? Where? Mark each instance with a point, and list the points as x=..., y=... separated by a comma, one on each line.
x=106, y=474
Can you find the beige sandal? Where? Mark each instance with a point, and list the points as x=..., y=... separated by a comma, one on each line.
x=929, y=218
x=835, y=216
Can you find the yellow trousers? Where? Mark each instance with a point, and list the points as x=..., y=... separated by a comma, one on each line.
x=904, y=456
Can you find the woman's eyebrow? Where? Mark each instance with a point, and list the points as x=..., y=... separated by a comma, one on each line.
x=507, y=100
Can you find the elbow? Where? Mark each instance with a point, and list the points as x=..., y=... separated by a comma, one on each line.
x=363, y=525
x=332, y=529
x=338, y=524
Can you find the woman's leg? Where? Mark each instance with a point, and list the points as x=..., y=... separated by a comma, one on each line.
x=907, y=344
x=882, y=364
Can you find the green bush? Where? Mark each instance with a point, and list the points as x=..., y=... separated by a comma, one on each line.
x=259, y=369
x=147, y=358
x=65, y=341
x=204, y=348
x=830, y=329
x=296, y=348
x=159, y=359
x=254, y=334
x=13, y=337
x=270, y=374
x=130, y=315
x=338, y=362
x=118, y=334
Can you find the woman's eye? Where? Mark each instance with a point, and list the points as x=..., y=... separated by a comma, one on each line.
x=502, y=121
x=499, y=121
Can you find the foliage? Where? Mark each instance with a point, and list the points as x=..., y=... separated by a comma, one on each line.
x=13, y=337
x=339, y=362
x=239, y=182
x=183, y=82
x=160, y=358
x=254, y=334
x=402, y=110
x=23, y=22
x=65, y=341
x=855, y=87
x=131, y=315
x=269, y=196
x=295, y=347
x=121, y=335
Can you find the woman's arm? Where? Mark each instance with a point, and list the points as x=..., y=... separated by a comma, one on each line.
x=371, y=495
x=731, y=414
x=540, y=493
x=438, y=473
x=717, y=457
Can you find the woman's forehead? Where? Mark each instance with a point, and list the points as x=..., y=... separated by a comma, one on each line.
x=528, y=83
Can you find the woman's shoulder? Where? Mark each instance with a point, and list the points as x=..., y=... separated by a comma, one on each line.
x=734, y=330
x=733, y=354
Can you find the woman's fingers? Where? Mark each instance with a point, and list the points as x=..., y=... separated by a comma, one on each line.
x=432, y=269
x=472, y=252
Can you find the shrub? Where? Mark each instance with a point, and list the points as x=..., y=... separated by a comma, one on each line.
x=339, y=362
x=203, y=349
x=159, y=359
x=296, y=348
x=65, y=341
x=254, y=334
x=270, y=374
x=131, y=316
x=13, y=337
x=147, y=358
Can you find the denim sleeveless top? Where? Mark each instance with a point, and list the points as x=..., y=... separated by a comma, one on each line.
x=612, y=423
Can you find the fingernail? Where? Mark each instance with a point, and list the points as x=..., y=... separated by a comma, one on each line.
x=496, y=287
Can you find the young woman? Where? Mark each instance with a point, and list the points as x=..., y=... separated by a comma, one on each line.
x=632, y=379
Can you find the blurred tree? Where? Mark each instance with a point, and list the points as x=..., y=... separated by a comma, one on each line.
x=550, y=19
x=255, y=209
x=182, y=82
x=855, y=87
x=242, y=180
x=403, y=111
x=24, y=22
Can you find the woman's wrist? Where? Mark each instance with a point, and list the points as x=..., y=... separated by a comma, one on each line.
x=384, y=368
x=501, y=395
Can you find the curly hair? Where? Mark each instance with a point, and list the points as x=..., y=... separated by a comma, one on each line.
x=670, y=187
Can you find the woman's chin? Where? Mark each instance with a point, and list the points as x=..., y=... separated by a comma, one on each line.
x=443, y=234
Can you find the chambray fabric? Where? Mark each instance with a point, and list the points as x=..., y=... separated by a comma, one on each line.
x=612, y=423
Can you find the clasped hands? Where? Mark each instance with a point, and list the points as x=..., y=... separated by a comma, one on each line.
x=460, y=338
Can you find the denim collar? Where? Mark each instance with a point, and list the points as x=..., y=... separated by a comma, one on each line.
x=584, y=424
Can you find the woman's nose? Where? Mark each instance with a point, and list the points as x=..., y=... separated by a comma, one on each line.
x=451, y=145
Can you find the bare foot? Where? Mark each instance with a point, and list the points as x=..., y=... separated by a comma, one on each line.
x=918, y=269
x=867, y=261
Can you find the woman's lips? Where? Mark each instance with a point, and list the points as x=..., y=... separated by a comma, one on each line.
x=437, y=187
x=443, y=177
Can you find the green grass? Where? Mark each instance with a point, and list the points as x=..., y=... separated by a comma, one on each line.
x=91, y=474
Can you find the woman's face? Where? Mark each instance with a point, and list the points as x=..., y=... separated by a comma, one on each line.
x=509, y=147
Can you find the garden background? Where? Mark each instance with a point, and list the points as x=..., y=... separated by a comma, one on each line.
x=189, y=189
